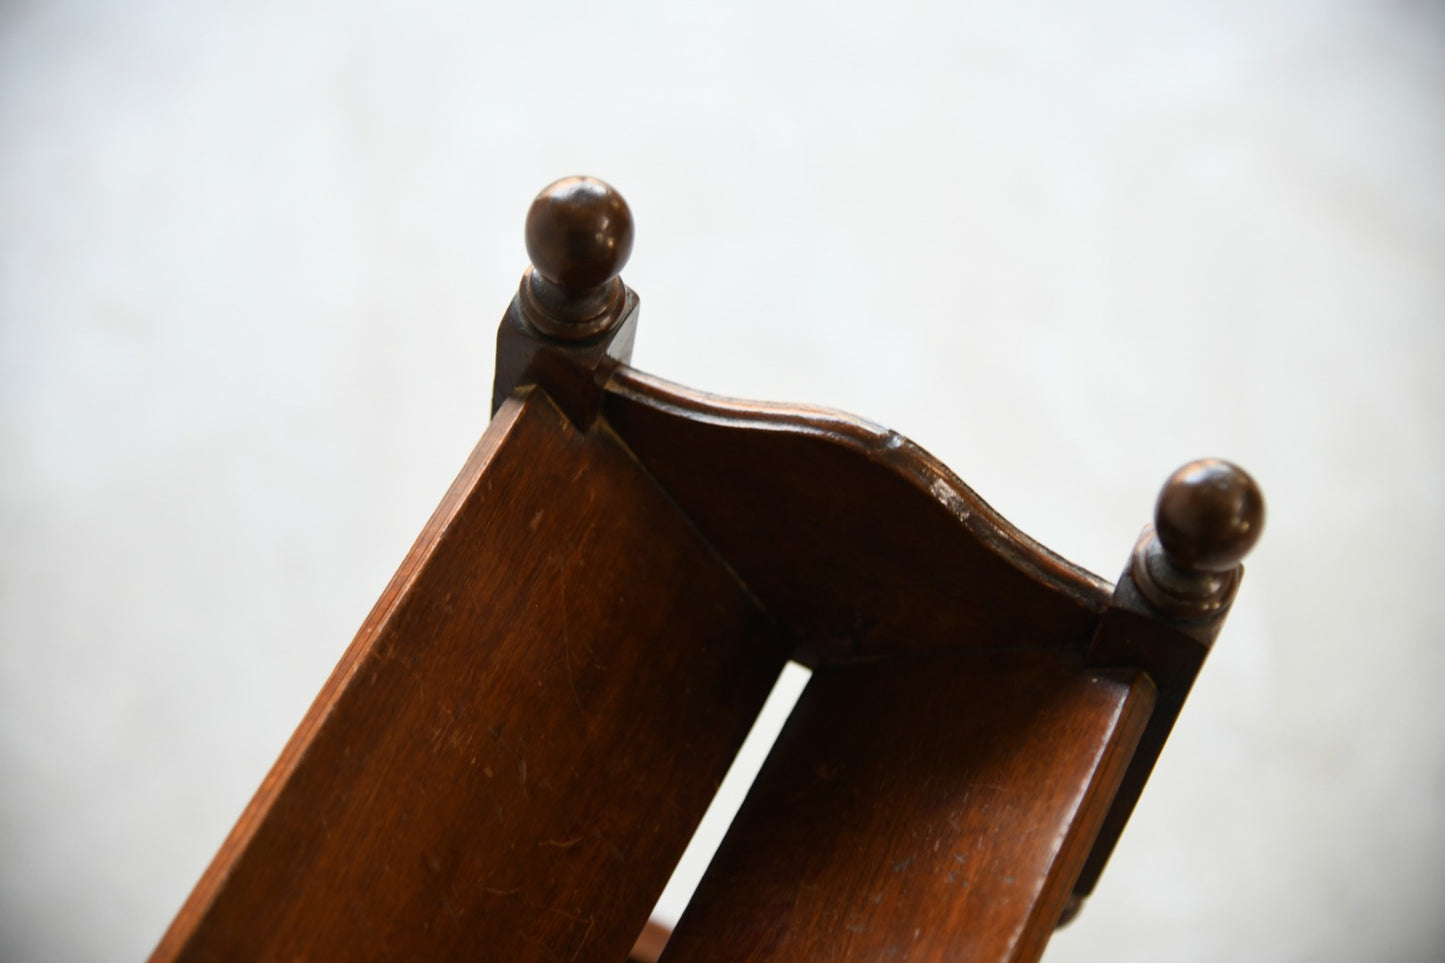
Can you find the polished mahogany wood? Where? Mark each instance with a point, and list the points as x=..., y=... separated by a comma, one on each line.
x=1209, y=515
x=1168, y=608
x=579, y=233
x=572, y=315
x=857, y=540
x=933, y=807
x=512, y=755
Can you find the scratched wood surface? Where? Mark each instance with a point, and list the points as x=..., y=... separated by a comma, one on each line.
x=920, y=809
x=514, y=751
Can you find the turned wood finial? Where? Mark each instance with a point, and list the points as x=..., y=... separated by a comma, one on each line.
x=1209, y=515
x=579, y=233
x=579, y=236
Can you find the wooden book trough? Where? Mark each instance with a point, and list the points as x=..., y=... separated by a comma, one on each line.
x=513, y=753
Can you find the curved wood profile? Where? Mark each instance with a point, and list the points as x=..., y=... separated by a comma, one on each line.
x=857, y=540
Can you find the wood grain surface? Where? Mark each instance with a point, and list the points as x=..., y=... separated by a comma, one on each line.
x=920, y=809
x=515, y=750
x=858, y=541
x=511, y=757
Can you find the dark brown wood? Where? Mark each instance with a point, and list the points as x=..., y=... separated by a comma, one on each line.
x=567, y=369
x=650, y=944
x=1168, y=608
x=857, y=540
x=514, y=752
x=921, y=808
x=1134, y=634
x=1209, y=515
x=579, y=233
x=572, y=313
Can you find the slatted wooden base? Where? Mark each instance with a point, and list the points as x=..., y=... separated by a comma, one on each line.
x=931, y=808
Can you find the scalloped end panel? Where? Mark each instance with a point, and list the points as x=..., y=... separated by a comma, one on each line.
x=860, y=543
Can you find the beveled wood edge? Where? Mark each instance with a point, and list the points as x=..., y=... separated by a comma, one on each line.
x=1056, y=905
x=213, y=879
x=886, y=448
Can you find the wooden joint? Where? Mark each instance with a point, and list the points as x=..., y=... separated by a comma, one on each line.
x=572, y=318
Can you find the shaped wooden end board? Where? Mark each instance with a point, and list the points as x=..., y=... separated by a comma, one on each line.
x=511, y=756
x=859, y=542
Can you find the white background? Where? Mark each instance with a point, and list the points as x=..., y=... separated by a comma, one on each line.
x=252, y=257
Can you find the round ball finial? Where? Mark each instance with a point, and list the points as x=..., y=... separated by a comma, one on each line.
x=1209, y=515
x=579, y=233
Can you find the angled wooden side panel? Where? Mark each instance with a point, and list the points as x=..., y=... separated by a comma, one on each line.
x=480, y=778
x=920, y=809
